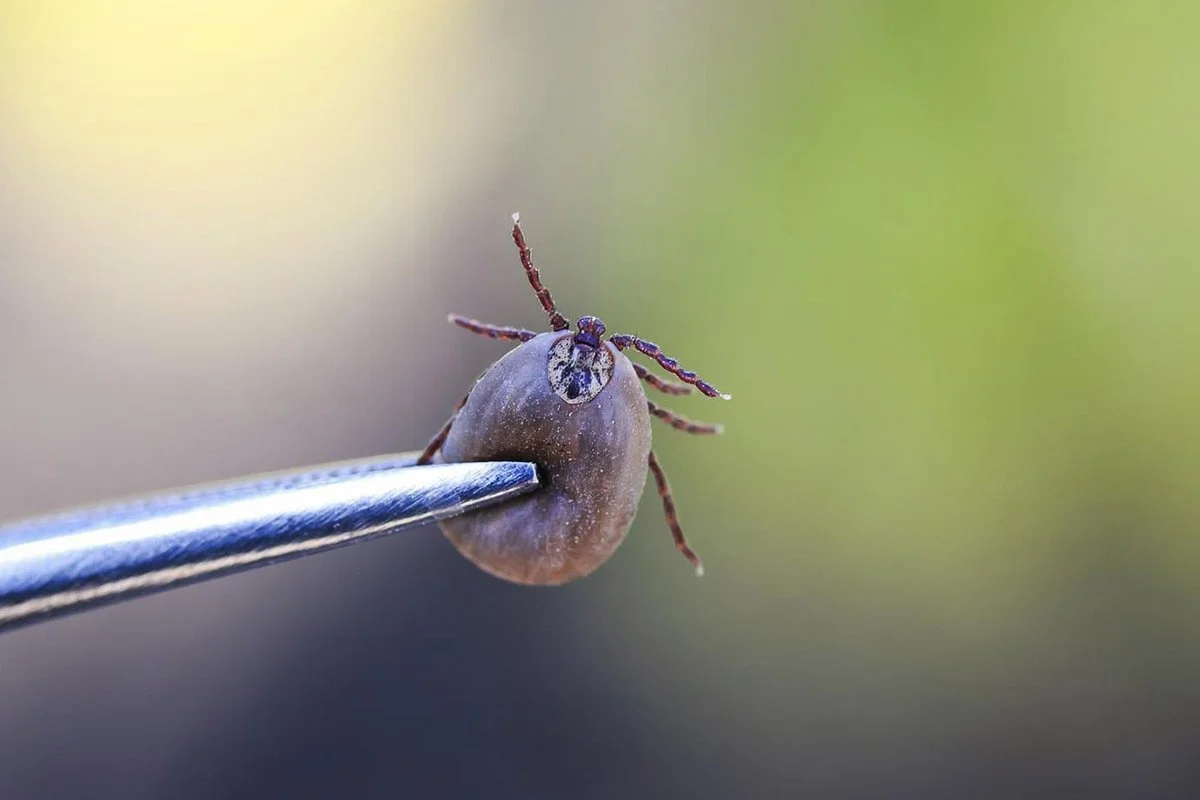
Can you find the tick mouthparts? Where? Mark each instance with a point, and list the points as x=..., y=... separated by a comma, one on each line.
x=516, y=217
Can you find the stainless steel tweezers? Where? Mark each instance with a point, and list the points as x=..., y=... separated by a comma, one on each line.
x=79, y=559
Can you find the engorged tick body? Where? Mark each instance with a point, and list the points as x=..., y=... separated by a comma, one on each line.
x=573, y=404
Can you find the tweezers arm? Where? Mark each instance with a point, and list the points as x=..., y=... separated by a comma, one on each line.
x=71, y=561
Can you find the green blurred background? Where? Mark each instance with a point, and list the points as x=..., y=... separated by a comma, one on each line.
x=943, y=255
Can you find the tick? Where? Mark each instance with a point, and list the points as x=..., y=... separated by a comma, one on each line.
x=572, y=403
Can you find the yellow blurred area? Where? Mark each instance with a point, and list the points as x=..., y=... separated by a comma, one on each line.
x=202, y=150
x=255, y=82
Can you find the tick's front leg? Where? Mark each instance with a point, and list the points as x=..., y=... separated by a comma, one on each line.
x=623, y=340
x=492, y=331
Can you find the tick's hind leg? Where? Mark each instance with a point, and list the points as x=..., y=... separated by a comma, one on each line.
x=437, y=441
x=683, y=423
x=664, y=491
x=665, y=386
x=623, y=340
x=492, y=331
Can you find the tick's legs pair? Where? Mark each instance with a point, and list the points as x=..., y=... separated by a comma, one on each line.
x=666, y=387
x=522, y=335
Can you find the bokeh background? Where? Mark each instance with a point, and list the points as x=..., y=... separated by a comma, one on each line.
x=944, y=255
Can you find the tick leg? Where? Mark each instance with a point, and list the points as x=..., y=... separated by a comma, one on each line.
x=492, y=331
x=437, y=441
x=666, y=387
x=683, y=423
x=557, y=321
x=664, y=491
x=623, y=340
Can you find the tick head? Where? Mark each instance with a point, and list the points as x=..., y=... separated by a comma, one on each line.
x=590, y=330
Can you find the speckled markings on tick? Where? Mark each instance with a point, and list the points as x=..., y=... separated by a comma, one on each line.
x=573, y=404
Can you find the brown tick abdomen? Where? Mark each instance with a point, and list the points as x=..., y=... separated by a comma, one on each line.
x=593, y=459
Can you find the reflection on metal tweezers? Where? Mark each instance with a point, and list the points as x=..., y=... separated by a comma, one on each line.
x=80, y=559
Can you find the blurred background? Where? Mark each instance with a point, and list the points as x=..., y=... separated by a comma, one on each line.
x=943, y=254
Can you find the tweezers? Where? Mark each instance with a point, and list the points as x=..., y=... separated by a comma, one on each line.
x=79, y=559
